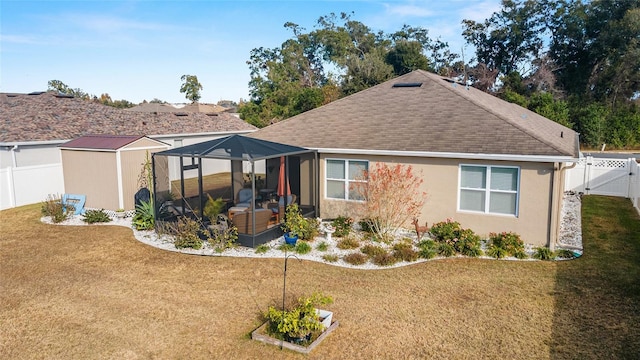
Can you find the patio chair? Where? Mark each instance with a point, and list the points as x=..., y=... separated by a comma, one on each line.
x=279, y=208
x=244, y=198
x=77, y=201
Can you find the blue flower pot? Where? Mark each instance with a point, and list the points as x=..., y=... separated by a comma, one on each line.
x=290, y=240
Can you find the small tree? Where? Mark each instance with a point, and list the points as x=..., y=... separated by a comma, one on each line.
x=191, y=87
x=392, y=197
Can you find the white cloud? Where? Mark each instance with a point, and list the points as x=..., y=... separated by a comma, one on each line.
x=408, y=10
x=479, y=11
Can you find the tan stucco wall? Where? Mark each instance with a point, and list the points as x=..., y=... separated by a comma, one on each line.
x=441, y=184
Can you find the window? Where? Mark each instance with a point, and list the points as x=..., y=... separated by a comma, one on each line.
x=489, y=189
x=342, y=175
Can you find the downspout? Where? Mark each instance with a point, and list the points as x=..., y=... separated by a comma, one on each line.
x=557, y=193
x=14, y=162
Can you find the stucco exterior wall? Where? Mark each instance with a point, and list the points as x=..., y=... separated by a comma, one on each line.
x=441, y=184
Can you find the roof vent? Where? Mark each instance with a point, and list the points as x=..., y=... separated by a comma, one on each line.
x=404, y=85
x=12, y=95
x=64, y=96
x=181, y=114
x=36, y=93
x=212, y=114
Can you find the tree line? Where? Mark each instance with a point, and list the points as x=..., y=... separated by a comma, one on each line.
x=576, y=62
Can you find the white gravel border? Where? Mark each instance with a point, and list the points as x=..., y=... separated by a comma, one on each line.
x=570, y=238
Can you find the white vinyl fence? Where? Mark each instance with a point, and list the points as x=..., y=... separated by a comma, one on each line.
x=29, y=184
x=606, y=176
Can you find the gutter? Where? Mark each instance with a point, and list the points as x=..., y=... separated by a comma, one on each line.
x=451, y=155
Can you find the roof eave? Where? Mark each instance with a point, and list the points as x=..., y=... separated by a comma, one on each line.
x=451, y=155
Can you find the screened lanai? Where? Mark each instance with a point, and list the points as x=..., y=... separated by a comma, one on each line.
x=287, y=172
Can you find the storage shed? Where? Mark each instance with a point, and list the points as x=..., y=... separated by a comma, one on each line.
x=107, y=168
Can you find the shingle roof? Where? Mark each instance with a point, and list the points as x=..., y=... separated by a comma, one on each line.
x=47, y=117
x=189, y=108
x=425, y=112
x=102, y=142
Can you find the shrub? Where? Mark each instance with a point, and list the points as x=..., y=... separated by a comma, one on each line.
x=468, y=244
x=53, y=207
x=506, y=244
x=322, y=246
x=445, y=249
x=368, y=225
x=143, y=219
x=95, y=216
x=428, y=249
x=403, y=251
x=187, y=234
x=385, y=259
x=299, y=321
x=262, y=249
x=342, y=226
x=310, y=230
x=543, y=253
x=372, y=250
x=392, y=195
x=302, y=247
x=445, y=230
x=295, y=223
x=348, y=243
x=565, y=254
x=213, y=207
x=222, y=239
x=330, y=257
x=286, y=247
x=356, y=258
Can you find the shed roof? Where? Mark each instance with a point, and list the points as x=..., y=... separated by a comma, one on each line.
x=103, y=142
x=48, y=116
x=235, y=147
x=425, y=112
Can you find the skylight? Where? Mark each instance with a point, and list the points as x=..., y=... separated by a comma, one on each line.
x=403, y=85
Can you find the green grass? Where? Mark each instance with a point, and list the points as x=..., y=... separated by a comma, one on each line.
x=597, y=307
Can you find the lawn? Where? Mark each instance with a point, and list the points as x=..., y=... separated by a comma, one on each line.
x=97, y=293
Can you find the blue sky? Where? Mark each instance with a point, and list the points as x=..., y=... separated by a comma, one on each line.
x=137, y=50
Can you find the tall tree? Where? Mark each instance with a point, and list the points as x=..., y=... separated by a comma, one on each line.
x=62, y=88
x=509, y=40
x=191, y=87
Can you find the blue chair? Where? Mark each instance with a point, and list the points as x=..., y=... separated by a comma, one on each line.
x=244, y=199
x=77, y=201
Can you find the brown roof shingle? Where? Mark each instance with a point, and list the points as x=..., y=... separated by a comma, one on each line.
x=438, y=116
x=48, y=117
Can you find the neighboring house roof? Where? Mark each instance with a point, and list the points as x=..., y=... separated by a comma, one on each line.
x=102, y=142
x=49, y=117
x=426, y=113
x=190, y=108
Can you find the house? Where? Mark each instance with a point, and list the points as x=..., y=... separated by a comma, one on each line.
x=489, y=164
x=32, y=126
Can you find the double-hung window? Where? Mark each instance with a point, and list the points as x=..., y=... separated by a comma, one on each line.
x=342, y=178
x=489, y=189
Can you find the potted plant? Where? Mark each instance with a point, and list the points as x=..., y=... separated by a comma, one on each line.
x=294, y=224
x=120, y=213
x=299, y=324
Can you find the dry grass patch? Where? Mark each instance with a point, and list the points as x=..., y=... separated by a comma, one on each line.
x=95, y=292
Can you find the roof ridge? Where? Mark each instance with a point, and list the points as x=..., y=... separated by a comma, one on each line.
x=498, y=114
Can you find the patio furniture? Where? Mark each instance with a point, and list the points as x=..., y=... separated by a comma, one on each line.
x=243, y=221
x=77, y=201
x=244, y=198
x=278, y=208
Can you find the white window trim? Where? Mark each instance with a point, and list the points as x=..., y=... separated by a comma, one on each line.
x=346, y=181
x=488, y=190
